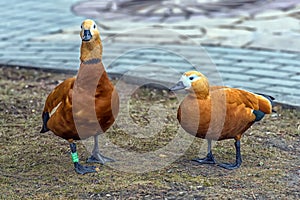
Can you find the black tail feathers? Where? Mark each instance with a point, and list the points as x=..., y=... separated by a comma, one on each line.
x=45, y=120
x=270, y=98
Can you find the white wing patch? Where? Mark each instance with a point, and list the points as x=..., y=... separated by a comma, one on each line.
x=54, y=109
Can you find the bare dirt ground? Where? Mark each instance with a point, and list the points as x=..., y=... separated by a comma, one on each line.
x=38, y=166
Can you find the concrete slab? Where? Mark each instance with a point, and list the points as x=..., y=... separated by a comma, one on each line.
x=260, y=51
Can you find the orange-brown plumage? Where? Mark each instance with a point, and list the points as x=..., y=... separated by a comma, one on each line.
x=61, y=119
x=85, y=105
x=218, y=113
x=105, y=99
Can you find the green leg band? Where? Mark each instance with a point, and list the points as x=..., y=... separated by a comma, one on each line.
x=75, y=157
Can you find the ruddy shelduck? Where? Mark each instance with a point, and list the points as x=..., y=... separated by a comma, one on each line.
x=85, y=105
x=218, y=112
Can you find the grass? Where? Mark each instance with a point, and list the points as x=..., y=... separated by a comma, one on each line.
x=38, y=166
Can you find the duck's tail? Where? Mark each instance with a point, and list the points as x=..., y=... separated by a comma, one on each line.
x=45, y=120
x=266, y=103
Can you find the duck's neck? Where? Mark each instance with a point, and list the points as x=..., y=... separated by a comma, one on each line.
x=92, y=73
x=199, y=95
x=201, y=91
x=91, y=50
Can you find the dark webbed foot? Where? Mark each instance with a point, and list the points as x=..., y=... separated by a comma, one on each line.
x=238, y=159
x=229, y=165
x=98, y=158
x=209, y=159
x=80, y=169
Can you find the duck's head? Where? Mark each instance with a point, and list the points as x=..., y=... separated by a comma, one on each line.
x=91, y=45
x=89, y=31
x=194, y=82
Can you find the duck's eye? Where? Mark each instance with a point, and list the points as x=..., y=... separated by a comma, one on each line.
x=191, y=78
x=94, y=26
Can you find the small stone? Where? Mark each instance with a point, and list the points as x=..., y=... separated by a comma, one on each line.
x=199, y=187
x=162, y=155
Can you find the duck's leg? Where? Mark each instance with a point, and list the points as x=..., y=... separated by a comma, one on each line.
x=238, y=160
x=96, y=156
x=209, y=159
x=78, y=167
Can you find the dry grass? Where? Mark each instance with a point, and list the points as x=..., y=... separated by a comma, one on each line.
x=34, y=165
